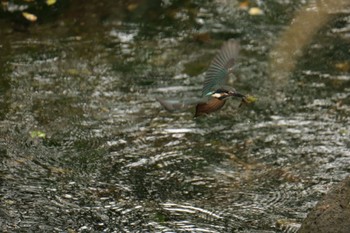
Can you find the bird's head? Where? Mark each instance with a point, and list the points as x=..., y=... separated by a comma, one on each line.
x=224, y=93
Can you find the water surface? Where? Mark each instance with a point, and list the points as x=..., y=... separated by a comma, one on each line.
x=113, y=160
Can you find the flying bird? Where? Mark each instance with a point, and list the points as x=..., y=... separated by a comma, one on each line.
x=214, y=92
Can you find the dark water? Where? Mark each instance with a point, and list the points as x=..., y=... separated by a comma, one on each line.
x=112, y=160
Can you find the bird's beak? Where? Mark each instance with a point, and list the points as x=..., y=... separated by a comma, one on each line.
x=239, y=95
x=236, y=94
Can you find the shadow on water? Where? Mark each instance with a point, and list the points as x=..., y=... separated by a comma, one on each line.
x=85, y=147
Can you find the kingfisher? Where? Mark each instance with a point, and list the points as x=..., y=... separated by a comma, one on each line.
x=214, y=91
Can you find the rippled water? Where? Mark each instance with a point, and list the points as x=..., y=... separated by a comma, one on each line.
x=113, y=159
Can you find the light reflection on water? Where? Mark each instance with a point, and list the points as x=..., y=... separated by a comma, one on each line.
x=113, y=159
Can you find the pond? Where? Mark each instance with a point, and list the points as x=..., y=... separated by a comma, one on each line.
x=85, y=146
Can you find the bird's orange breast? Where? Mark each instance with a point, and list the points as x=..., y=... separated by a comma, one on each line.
x=212, y=105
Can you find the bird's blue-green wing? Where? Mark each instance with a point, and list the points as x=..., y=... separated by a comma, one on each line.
x=221, y=66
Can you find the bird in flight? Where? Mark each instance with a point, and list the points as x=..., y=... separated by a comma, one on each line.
x=214, y=92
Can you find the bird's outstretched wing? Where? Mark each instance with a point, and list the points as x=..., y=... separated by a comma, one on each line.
x=221, y=66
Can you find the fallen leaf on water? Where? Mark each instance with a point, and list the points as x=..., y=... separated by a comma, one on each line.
x=343, y=66
x=132, y=6
x=50, y=2
x=202, y=37
x=30, y=17
x=244, y=5
x=255, y=11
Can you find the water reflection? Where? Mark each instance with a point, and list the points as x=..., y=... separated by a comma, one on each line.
x=304, y=28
